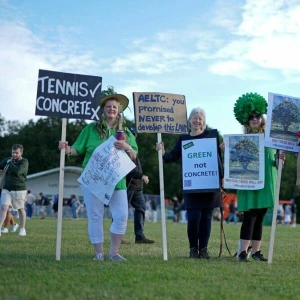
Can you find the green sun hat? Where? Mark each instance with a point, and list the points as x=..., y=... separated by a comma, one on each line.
x=248, y=104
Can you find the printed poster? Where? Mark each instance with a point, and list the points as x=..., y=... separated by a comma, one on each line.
x=244, y=161
x=200, y=169
x=283, y=122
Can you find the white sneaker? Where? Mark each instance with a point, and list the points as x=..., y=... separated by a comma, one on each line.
x=4, y=230
x=22, y=232
x=14, y=228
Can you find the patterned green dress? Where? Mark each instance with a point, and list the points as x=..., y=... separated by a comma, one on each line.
x=263, y=198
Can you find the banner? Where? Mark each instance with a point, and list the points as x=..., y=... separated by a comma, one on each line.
x=244, y=161
x=160, y=113
x=283, y=122
x=105, y=169
x=200, y=169
x=67, y=95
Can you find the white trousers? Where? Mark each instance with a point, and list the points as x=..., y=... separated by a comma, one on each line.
x=118, y=205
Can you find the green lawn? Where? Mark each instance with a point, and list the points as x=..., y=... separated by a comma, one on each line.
x=29, y=270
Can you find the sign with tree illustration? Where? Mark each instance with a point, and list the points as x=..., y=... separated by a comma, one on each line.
x=244, y=162
x=283, y=122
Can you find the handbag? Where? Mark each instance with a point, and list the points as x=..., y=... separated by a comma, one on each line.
x=2, y=176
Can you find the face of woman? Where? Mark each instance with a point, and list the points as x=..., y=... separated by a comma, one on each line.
x=196, y=122
x=111, y=109
x=254, y=121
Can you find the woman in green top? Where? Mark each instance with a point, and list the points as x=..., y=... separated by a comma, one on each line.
x=93, y=135
x=249, y=110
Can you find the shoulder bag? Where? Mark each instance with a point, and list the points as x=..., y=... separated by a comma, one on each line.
x=2, y=176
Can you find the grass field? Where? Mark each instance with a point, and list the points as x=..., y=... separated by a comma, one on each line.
x=29, y=270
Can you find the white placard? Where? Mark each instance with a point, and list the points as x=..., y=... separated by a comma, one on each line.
x=200, y=169
x=244, y=161
x=106, y=167
x=283, y=122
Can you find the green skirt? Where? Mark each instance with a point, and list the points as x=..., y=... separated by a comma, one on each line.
x=263, y=198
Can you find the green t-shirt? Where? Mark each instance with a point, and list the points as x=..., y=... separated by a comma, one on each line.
x=89, y=140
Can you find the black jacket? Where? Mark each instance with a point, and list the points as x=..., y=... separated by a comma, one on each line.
x=198, y=200
x=134, y=178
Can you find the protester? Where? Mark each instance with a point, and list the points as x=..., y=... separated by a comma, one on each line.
x=14, y=191
x=29, y=204
x=135, y=181
x=199, y=205
x=90, y=138
x=249, y=110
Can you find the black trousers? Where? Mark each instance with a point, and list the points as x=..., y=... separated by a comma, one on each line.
x=252, y=224
x=137, y=201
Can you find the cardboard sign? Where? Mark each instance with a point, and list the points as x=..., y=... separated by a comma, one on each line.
x=67, y=95
x=244, y=161
x=283, y=122
x=200, y=169
x=105, y=169
x=160, y=113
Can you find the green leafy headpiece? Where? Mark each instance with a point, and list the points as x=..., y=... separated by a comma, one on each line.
x=248, y=104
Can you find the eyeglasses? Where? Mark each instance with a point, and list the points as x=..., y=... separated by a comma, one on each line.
x=257, y=117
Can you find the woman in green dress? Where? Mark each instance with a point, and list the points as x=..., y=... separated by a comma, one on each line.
x=249, y=110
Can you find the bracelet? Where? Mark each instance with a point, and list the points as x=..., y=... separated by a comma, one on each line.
x=70, y=153
x=129, y=150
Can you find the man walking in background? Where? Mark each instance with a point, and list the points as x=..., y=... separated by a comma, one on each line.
x=29, y=204
x=14, y=192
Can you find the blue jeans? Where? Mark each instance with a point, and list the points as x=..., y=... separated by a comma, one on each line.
x=199, y=227
x=137, y=201
x=232, y=216
x=29, y=210
x=74, y=209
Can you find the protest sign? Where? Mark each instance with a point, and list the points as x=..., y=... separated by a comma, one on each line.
x=160, y=113
x=244, y=161
x=106, y=167
x=67, y=95
x=283, y=122
x=200, y=169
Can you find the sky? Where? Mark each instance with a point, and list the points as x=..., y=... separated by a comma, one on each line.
x=212, y=52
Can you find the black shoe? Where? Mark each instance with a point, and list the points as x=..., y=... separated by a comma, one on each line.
x=243, y=256
x=193, y=253
x=144, y=241
x=258, y=256
x=203, y=253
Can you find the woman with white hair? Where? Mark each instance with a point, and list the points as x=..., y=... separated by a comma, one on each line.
x=199, y=205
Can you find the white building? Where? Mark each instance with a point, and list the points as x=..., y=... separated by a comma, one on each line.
x=47, y=182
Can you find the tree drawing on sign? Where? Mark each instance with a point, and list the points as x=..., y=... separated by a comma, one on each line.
x=244, y=152
x=285, y=114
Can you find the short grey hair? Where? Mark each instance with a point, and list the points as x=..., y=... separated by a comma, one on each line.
x=202, y=114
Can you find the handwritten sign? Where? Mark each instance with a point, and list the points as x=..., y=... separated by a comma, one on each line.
x=160, y=112
x=200, y=169
x=67, y=95
x=283, y=122
x=244, y=161
x=105, y=169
